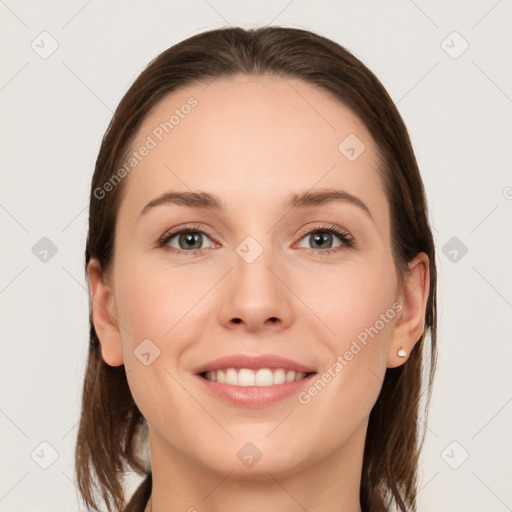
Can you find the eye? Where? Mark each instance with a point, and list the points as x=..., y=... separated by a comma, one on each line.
x=190, y=240
x=323, y=237
x=187, y=240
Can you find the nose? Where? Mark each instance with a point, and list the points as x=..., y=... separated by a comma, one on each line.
x=256, y=296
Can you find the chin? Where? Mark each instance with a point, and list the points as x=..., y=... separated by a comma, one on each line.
x=253, y=461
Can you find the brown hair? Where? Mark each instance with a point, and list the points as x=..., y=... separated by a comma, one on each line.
x=111, y=425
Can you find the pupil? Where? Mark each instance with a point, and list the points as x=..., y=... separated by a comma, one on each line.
x=320, y=238
x=191, y=239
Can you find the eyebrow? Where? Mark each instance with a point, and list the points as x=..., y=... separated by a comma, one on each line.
x=208, y=201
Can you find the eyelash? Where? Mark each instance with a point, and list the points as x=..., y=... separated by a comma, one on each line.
x=345, y=237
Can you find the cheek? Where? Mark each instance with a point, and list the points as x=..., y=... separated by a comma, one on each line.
x=359, y=309
x=152, y=301
x=354, y=299
x=154, y=306
x=163, y=312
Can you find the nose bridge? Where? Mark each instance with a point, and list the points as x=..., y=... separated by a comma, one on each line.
x=253, y=263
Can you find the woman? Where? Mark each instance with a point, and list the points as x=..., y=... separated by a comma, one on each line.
x=262, y=277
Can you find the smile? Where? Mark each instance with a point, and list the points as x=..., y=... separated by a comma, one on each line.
x=248, y=377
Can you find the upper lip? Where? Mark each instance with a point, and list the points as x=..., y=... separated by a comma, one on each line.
x=253, y=363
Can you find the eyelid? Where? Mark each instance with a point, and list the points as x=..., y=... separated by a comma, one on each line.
x=324, y=227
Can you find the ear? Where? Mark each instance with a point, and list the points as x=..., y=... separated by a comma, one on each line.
x=413, y=297
x=104, y=315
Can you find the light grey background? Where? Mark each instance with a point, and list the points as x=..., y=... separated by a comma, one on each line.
x=55, y=111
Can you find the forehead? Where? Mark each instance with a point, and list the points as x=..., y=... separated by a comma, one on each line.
x=253, y=137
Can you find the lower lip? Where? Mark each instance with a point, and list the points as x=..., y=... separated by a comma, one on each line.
x=255, y=396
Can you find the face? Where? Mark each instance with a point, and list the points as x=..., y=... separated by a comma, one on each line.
x=300, y=295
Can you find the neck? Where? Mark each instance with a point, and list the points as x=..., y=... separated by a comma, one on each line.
x=330, y=484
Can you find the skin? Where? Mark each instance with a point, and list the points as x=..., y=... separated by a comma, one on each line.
x=253, y=141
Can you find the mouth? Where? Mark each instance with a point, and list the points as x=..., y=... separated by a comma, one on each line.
x=246, y=377
x=253, y=381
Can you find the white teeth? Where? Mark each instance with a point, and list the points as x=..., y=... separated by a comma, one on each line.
x=231, y=377
x=290, y=376
x=247, y=377
x=264, y=377
x=279, y=377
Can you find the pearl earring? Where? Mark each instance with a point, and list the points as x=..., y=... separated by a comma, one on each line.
x=401, y=352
